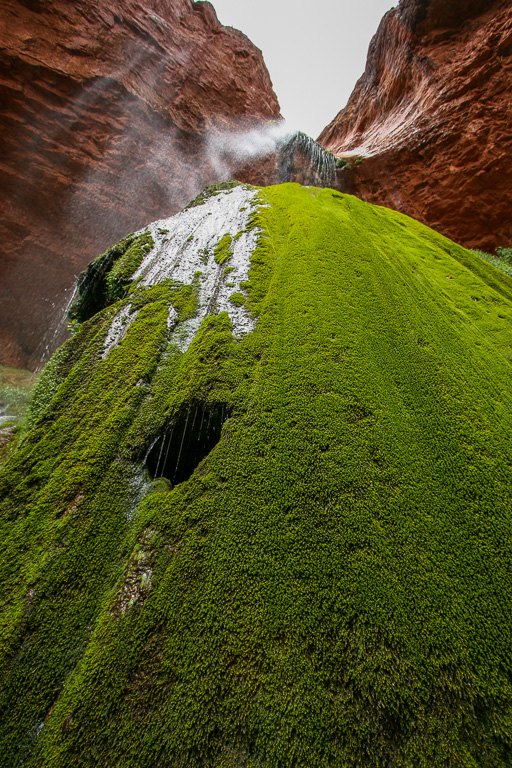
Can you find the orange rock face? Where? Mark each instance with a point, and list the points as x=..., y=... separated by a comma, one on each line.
x=108, y=118
x=431, y=119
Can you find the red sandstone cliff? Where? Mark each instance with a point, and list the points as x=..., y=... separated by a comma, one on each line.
x=432, y=119
x=107, y=111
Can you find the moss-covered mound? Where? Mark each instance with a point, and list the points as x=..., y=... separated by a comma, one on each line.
x=284, y=543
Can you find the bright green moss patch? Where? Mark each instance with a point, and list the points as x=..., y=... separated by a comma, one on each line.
x=330, y=585
x=222, y=251
x=237, y=299
x=184, y=298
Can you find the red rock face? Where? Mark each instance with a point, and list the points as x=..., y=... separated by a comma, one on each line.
x=107, y=115
x=431, y=119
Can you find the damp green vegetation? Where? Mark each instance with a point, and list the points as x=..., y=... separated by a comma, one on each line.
x=183, y=298
x=222, y=251
x=329, y=585
x=501, y=258
x=121, y=272
x=345, y=162
x=108, y=278
x=237, y=299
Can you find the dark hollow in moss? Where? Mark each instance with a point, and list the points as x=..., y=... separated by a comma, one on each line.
x=194, y=433
x=106, y=279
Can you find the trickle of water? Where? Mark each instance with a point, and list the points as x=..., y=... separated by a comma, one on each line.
x=194, y=437
x=161, y=451
x=56, y=331
x=302, y=159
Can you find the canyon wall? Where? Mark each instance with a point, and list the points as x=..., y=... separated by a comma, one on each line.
x=429, y=122
x=113, y=114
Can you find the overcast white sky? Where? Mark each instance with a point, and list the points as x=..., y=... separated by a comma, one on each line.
x=315, y=52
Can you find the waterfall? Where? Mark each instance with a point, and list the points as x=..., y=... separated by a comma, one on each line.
x=302, y=159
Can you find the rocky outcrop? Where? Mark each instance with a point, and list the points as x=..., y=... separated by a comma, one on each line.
x=429, y=121
x=294, y=157
x=259, y=513
x=108, y=119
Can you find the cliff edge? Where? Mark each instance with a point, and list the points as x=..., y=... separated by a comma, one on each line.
x=430, y=119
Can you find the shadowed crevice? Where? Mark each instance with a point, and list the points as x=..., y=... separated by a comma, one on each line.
x=194, y=432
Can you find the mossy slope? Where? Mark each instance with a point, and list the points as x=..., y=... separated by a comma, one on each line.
x=331, y=587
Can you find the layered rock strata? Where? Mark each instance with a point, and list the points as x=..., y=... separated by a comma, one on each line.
x=429, y=121
x=109, y=116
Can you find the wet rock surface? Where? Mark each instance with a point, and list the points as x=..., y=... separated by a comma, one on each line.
x=429, y=120
x=108, y=112
x=297, y=158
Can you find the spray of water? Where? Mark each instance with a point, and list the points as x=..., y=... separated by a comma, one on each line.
x=227, y=150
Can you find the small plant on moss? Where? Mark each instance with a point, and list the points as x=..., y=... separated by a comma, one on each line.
x=505, y=254
x=204, y=255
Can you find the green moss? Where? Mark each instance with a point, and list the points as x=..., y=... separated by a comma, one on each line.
x=107, y=278
x=184, y=298
x=330, y=585
x=118, y=277
x=222, y=251
x=237, y=299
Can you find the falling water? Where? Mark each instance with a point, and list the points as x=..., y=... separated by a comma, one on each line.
x=303, y=160
x=55, y=333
